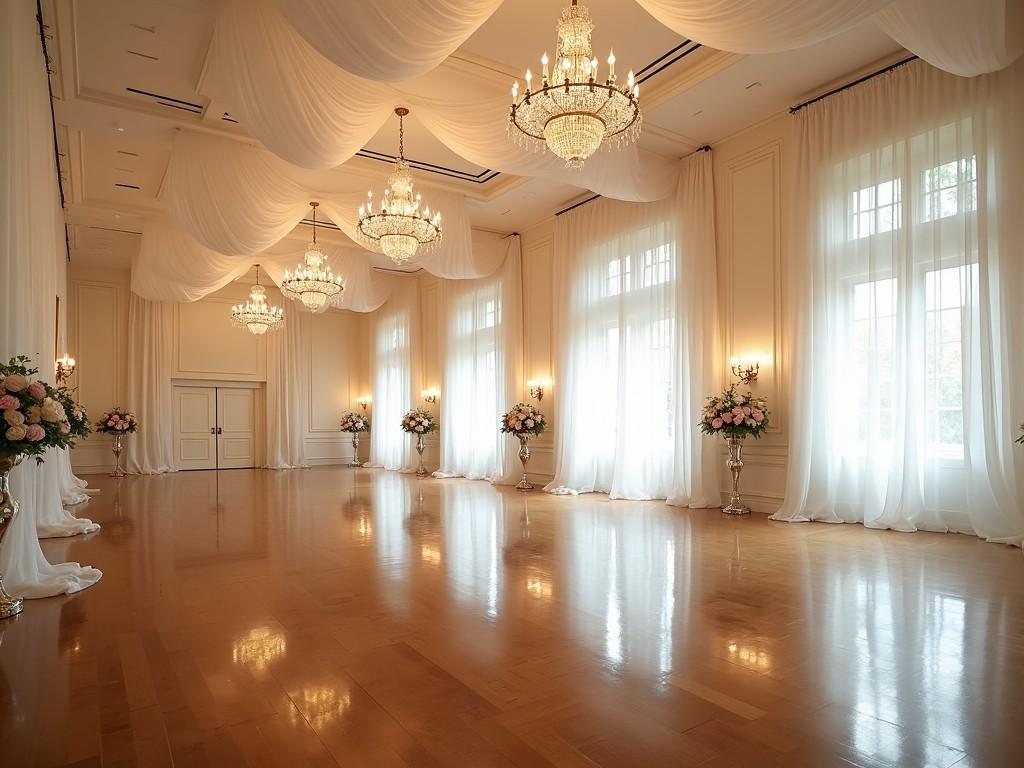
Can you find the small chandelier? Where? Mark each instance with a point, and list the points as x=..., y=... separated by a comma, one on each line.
x=399, y=228
x=312, y=283
x=572, y=113
x=256, y=315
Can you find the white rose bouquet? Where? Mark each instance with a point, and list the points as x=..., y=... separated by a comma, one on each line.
x=419, y=421
x=117, y=421
x=33, y=414
x=354, y=422
x=523, y=421
x=734, y=414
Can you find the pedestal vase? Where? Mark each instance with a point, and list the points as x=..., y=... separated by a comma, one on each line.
x=355, y=451
x=117, y=448
x=524, y=483
x=9, y=606
x=421, y=445
x=735, y=465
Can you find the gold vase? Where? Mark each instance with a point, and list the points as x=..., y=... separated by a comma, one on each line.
x=735, y=465
x=117, y=448
x=421, y=445
x=524, y=483
x=355, y=451
x=9, y=606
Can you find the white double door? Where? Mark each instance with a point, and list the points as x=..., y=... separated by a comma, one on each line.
x=214, y=427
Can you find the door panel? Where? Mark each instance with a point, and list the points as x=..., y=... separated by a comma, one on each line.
x=236, y=438
x=195, y=417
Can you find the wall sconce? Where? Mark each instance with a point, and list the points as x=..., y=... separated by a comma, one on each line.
x=363, y=402
x=430, y=395
x=745, y=369
x=65, y=367
x=537, y=387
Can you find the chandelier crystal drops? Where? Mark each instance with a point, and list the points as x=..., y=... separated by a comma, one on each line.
x=573, y=114
x=256, y=315
x=399, y=227
x=312, y=283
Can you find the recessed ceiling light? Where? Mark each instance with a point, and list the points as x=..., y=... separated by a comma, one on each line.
x=117, y=215
x=118, y=128
x=698, y=112
x=755, y=84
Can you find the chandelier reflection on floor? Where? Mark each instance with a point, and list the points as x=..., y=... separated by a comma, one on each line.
x=313, y=283
x=256, y=315
x=399, y=227
x=573, y=114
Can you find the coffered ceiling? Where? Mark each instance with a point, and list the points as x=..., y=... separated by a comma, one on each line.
x=125, y=76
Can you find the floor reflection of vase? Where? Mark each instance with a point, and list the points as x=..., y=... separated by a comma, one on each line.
x=117, y=448
x=735, y=465
x=421, y=445
x=355, y=451
x=9, y=606
x=524, y=458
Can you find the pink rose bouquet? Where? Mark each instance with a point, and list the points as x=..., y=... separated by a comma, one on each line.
x=34, y=416
x=523, y=420
x=117, y=421
x=419, y=421
x=734, y=414
x=354, y=422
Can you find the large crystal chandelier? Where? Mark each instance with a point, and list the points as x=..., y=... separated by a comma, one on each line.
x=312, y=283
x=399, y=227
x=572, y=113
x=256, y=315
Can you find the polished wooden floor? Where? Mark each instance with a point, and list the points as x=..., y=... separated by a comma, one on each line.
x=364, y=618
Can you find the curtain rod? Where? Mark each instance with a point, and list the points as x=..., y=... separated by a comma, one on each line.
x=704, y=148
x=846, y=87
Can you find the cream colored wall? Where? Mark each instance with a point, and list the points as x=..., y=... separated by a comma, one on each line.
x=207, y=348
x=750, y=233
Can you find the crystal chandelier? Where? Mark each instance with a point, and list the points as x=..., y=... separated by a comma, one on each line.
x=312, y=283
x=256, y=314
x=572, y=113
x=399, y=228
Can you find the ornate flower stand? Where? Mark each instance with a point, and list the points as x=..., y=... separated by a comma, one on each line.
x=9, y=606
x=421, y=445
x=355, y=451
x=118, y=447
x=524, y=483
x=735, y=465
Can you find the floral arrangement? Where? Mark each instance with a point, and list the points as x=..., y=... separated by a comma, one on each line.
x=523, y=421
x=78, y=419
x=734, y=414
x=419, y=422
x=354, y=422
x=34, y=413
x=117, y=421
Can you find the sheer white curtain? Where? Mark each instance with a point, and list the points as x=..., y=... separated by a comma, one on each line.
x=288, y=391
x=908, y=337
x=32, y=265
x=150, y=392
x=635, y=329
x=394, y=360
x=482, y=371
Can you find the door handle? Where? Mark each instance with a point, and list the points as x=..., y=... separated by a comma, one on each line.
x=220, y=430
x=213, y=430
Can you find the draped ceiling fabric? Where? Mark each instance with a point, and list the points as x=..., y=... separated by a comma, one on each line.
x=32, y=264
x=964, y=38
x=387, y=39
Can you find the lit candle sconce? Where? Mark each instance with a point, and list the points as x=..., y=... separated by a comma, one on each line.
x=537, y=387
x=364, y=401
x=430, y=395
x=65, y=368
x=745, y=368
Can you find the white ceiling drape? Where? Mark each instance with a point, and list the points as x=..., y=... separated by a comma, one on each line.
x=964, y=38
x=387, y=40
x=316, y=115
x=237, y=199
x=172, y=267
x=755, y=26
